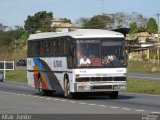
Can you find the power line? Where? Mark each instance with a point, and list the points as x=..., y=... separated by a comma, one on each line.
x=158, y=38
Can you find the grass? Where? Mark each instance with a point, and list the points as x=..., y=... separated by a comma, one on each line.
x=18, y=75
x=143, y=86
x=142, y=67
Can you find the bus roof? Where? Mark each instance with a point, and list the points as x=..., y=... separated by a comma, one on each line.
x=79, y=33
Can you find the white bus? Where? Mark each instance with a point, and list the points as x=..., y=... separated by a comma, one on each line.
x=55, y=62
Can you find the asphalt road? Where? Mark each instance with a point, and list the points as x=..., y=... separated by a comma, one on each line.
x=20, y=98
x=144, y=76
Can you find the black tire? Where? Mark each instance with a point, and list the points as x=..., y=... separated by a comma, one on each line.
x=114, y=95
x=42, y=92
x=40, y=89
x=67, y=92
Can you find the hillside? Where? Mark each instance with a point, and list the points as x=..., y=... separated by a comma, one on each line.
x=13, y=53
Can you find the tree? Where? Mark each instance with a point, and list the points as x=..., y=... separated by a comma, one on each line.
x=40, y=21
x=133, y=28
x=2, y=31
x=4, y=35
x=152, y=26
x=1, y=27
x=81, y=22
x=133, y=32
x=123, y=20
x=65, y=20
x=119, y=19
x=98, y=22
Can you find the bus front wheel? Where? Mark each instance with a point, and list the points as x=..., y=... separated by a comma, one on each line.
x=67, y=92
x=114, y=95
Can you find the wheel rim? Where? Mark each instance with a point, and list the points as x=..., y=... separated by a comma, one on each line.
x=68, y=90
x=65, y=88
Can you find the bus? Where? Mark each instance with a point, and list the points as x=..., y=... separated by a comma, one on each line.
x=91, y=61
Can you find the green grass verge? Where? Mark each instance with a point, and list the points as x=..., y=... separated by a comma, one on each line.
x=18, y=75
x=142, y=67
x=143, y=86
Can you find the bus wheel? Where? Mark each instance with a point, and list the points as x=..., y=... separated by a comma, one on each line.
x=42, y=92
x=67, y=92
x=114, y=95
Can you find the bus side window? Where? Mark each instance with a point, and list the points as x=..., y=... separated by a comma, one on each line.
x=56, y=47
x=70, y=53
x=42, y=48
x=53, y=47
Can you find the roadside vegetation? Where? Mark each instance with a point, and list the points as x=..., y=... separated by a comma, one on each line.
x=143, y=86
x=18, y=75
x=143, y=67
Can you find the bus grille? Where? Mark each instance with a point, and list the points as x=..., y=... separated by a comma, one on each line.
x=102, y=87
x=93, y=79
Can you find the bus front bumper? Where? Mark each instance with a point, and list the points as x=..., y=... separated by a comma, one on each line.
x=98, y=86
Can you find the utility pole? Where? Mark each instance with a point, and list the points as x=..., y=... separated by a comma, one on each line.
x=158, y=39
x=102, y=7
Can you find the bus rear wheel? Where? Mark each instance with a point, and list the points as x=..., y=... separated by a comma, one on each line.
x=67, y=92
x=42, y=92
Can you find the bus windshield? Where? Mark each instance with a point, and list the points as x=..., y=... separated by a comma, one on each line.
x=107, y=52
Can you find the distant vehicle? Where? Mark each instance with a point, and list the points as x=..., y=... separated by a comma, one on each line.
x=21, y=62
x=1, y=76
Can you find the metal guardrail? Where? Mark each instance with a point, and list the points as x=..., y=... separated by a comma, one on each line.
x=6, y=65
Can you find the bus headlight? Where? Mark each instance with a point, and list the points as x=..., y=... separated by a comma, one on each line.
x=120, y=87
x=86, y=88
x=116, y=86
x=77, y=75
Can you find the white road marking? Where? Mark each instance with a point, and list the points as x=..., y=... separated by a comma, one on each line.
x=35, y=96
x=42, y=97
x=155, y=112
x=72, y=101
x=48, y=98
x=126, y=109
x=102, y=105
x=114, y=107
x=29, y=95
x=56, y=99
x=6, y=92
x=82, y=103
x=92, y=104
x=18, y=94
x=140, y=110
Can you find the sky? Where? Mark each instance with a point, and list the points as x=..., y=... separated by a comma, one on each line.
x=15, y=12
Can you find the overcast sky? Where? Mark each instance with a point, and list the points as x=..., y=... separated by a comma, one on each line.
x=15, y=12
